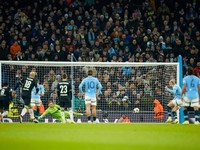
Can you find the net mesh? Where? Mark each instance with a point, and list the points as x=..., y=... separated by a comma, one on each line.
x=136, y=90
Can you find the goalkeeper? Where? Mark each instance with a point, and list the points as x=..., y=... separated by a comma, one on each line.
x=55, y=111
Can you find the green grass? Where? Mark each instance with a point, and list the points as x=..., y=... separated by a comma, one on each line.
x=98, y=136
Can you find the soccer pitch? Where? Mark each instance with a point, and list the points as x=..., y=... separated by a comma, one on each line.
x=51, y=136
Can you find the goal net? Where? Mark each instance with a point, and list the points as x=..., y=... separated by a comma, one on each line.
x=136, y=90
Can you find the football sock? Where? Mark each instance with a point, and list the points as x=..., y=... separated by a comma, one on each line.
x=31, y=113
x=23, y=111
x=169, y=109
x=71, y=115
x=185, y=114
x=63, y=115
x=89, y=118
x=174, y=115
x=196, y=115
x=94, y=118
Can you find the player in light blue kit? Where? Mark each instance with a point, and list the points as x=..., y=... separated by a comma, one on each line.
x=91, y=84
x=191, y=90
x=36, y=98
x=175, y=103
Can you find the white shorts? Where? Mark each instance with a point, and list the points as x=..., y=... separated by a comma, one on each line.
x=35, y=102
x=190, y=102
x=90, y=100
x=177, y=102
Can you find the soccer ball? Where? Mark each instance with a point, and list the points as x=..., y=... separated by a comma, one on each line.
x=136, y=110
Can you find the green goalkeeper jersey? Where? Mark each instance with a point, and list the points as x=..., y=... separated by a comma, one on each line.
x=55, y=112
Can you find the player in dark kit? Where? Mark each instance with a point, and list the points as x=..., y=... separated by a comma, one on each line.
x=27, y=85
x=5, y=99
x=64, y=95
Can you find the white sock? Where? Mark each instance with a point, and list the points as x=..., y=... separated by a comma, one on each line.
x=31, y=113
x=23, y=111
x=5, y=113
x=71, y=115
x=63, y=115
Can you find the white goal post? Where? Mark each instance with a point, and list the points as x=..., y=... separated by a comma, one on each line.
x=126, y=86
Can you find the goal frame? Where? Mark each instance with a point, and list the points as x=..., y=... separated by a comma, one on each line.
x=101, y=64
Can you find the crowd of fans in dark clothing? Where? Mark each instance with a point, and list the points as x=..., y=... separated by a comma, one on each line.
x=101, y=31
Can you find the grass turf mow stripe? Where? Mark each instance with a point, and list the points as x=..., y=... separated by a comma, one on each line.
x=51, y=136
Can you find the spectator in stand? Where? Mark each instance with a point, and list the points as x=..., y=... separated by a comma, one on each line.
x=3, y=51
x=14, y=49
x=197, y=70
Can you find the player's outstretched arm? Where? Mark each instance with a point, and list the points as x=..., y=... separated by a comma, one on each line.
x=44, y=114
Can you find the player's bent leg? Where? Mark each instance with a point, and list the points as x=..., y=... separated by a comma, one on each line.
x=169, y=109
x=34, y=108
x=186, y=116
x=36, y=111
x=23, y=112
x=71, y=115
x=32, y=114
x=94, y=113
x=186, y=104
x=62, y=111
x=38, y=103
x=174, y=115
x=27, y=101
x=88, y=112
x=196, y=114
x=195, y=105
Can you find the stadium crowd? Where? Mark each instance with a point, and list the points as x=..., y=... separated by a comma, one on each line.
x=102, y=31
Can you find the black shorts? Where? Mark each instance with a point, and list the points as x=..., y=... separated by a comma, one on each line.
x=27, y=100
x=4, y=104
x=65, y=104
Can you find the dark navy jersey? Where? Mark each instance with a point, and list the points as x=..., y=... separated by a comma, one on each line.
x=64, y=90
x=5, y=94
x=27, y=85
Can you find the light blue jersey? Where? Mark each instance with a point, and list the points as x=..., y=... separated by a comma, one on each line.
x=176, y=91
x=192, y=82
x=91, y=84
x=41, y=90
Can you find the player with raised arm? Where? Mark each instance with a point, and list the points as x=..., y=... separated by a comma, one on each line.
x=174, y=104
x=91, y=84
x=191, y=92
x=55, y=111
x=36, y=98
x=5, y=99
x=27, y=86
x=64, y=95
